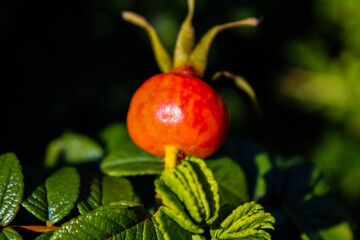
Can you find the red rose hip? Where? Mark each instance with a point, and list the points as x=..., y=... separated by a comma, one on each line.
x=176, y=109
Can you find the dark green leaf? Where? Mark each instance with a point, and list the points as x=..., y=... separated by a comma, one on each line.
x=45, y=236
x=104, y=190
x=36, y=203
x=248, y=221
x=76, y=149
x=55, y=200
x=144, y=230
x=171, y=229
x=115, y=136
x=107, y=222
x=231, y=180
x=11, y=187
x=129, y=161
x=9, y=234
x=62, y=192
x=116, y=189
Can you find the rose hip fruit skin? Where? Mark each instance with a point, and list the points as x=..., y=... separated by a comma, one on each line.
x=177, y=109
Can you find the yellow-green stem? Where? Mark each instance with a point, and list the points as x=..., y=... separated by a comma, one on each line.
x=171, y=155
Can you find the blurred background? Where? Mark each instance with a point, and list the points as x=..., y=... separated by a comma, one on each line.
x=73, y=65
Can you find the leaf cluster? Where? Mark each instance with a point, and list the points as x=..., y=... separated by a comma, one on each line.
x=216, y=199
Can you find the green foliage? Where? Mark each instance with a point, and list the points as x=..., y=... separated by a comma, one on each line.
x=171, y=229
x=124, y=158
x=11, y=188
x=195, y=200
x=247, y=221
x=231, y=180
x=190, y=194
x=54, y=200
x=262, y=160
x=9, y=234
x=75, y=148
x=117, y=220
x=131, y=161
x=115, y=136
x=45, y=236
x=104, y=190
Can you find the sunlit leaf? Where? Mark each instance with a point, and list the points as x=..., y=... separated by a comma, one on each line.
x=171, y=229
x=248, y=221
x=189, y=194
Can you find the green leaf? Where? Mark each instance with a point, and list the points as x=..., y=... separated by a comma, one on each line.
x=36, y=203
x=174, y=207
x=113, y=221
x=130, y=161
x=53, y=152
x=125, y=158
x=11, y=187
x=104, y=190
x=248, y=221
x=184, y=194
x=231, y=180
x=115, y=136
x=189, y=194
x=264, y=165
x=144, y=230
x=45, y=236
x=169, y=228
x=9, y=234
x=54, y=200
x=209, y=184
x=340, y=231
x=76, y=149
x=62, y=192
x=198, y=237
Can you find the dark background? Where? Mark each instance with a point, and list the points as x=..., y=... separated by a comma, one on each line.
x=75, y=64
